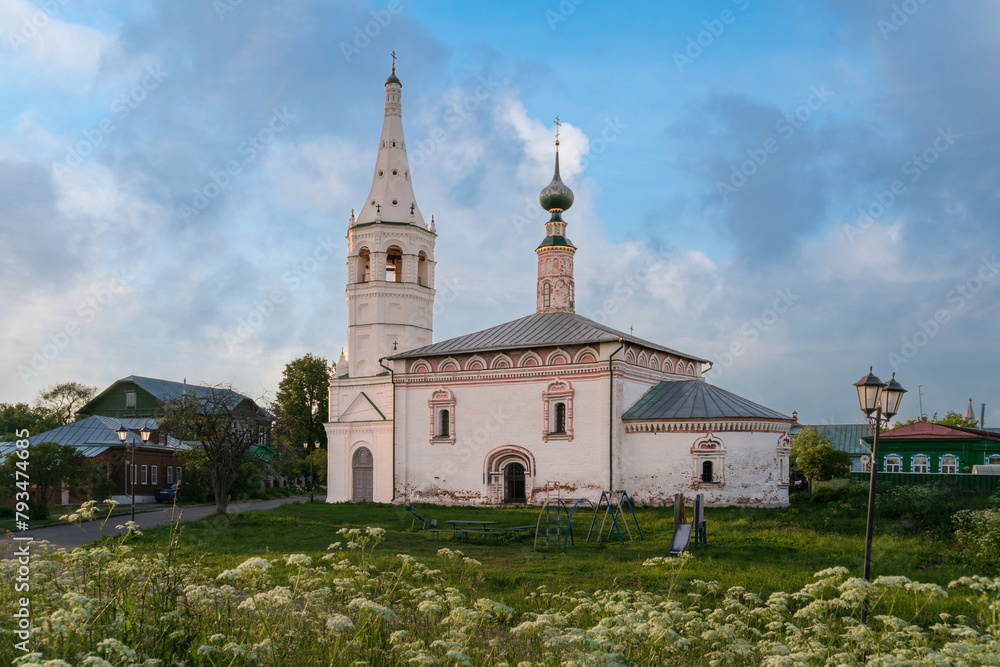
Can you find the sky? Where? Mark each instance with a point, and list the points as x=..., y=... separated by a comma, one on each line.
x=796, y=190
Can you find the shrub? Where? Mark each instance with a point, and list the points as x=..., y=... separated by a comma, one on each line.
x=38, y=511
x=6, y=512
x=978, y=531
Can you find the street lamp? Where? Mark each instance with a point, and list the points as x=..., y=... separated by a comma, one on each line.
x=122, y=434
x=880, y=402
x=311, y=487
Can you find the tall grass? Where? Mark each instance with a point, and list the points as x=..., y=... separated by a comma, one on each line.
x=337, y=584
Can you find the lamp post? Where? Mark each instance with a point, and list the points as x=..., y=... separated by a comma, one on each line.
x=122, y=434
x=311, y=485
x=880, y=402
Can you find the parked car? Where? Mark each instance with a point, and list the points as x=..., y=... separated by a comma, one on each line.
x=166, y=494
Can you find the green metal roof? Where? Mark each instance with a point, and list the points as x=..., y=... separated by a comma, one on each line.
x=696, y=399
x=556, y=241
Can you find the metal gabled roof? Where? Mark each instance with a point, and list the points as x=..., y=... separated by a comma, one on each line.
x=696, y=399
x=167, y=390
x=537, y=330
x=99, y=431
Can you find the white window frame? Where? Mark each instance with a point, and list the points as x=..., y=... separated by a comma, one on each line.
x=898, y=465
x=990, y=457
x=560, y=391
x=941, y=464
x=442, y=399
x=144, y=474
x=709, y=448
x=130, y=399
x=926, y=464
x=170, y=474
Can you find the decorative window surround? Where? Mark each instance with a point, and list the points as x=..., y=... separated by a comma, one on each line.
x=783, y=450
x=948, y=464
x=442, y=399
x=920, y=463
x=560, y=391
x=893, y=463
x=708, y=448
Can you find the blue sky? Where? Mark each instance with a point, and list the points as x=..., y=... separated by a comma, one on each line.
x=796, y=190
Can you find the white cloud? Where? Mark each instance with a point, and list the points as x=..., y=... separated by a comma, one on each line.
x=38, y=40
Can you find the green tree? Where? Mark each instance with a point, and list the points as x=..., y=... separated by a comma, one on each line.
x=64, y=399
x=226, y=428
x=49, y=465
x=816, y=456
x=950, y=419
x=303, y=403
x=16, y=417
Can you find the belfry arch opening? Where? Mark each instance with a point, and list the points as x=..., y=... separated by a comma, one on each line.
x=364, y=266
x=422, y=269
x=394, y=265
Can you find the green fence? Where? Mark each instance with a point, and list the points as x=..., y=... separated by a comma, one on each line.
x=983, y=483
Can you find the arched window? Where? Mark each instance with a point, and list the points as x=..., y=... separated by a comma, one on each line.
x=559, y=420
x=444, y=424
x=546, y=295
x=364, y=266
x=422, y=269
x=706, y=472
x=394, y=265
x=572, y=295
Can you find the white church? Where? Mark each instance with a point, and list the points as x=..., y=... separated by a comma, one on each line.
x=549, y=401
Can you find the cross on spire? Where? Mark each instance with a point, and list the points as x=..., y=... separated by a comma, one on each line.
x=557, y=129
x=393, y=54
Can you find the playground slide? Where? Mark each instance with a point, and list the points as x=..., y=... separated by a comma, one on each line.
x=682, y=537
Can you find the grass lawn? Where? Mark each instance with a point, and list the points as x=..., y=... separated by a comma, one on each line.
x=763, y=550
x=261, y=588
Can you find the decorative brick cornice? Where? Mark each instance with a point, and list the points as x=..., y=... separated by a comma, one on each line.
x=675, y=426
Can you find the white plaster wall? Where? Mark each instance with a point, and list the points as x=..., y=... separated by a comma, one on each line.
x=488, y=416
x=343, y=440
x=658, y=465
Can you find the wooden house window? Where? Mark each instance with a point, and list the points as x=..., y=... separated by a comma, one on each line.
x=920, y=463
x=170, y=474
x=949, y=464
x=153, y=478
x=145, y=472
x=893, y=463
x=129, y=399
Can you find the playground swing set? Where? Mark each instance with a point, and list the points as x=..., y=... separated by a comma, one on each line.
x=554, y=527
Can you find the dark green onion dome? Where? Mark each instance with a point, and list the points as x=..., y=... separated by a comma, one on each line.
x=556, y=194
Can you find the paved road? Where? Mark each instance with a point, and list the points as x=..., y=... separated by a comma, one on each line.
x=70, y=536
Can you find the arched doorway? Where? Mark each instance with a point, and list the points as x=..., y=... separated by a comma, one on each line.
x=513, y=483
x=364, y=479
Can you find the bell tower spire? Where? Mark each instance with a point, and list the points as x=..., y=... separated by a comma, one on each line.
x=556, y=289
x=390, y=263
x=391, y=196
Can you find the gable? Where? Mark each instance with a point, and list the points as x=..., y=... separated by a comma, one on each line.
x=361, y=409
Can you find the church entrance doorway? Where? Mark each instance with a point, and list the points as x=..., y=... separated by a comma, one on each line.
x=513, y=483
x=364, y=479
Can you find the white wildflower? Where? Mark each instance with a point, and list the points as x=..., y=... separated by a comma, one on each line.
x=339, y=623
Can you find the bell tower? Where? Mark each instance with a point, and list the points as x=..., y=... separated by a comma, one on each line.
x=556, y=289
x=390, y=264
